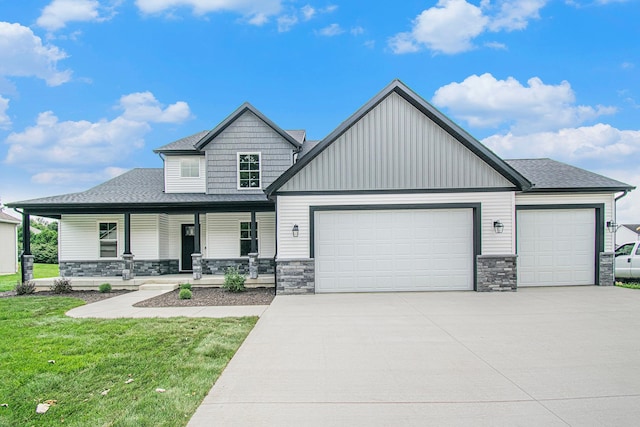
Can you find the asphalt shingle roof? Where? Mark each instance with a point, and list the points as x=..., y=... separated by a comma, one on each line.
x=547, y=174
x=185, y=144
x=8, y=218
x=138, y=186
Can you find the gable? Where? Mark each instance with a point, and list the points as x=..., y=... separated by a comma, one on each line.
x=395, y=146
x=247, y=133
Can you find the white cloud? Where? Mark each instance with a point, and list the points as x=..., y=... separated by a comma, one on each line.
x=331, y=30
x=69, y=176
x=256, y=11
x=58, y=13
x=286, y=22
x=357, y=30
x=144, y=107
x=308, y=12
x=515, y=15
x=600, y=142
x=451, y=26
x=484, y=101
x=22, y=54
x=5, y=121
x=83, y=145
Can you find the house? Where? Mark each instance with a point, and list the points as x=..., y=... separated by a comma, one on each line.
x=8, y=243
x=627, y=233
x=397, y=198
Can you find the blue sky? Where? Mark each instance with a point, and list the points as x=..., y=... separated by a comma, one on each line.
x=89, y=87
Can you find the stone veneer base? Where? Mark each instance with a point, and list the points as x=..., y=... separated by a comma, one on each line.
x=607, y=269
x=113, y=268
x=295, y=276
x=496, y=273
x=219, y=266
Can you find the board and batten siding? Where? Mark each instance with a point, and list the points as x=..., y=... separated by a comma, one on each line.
x=78, y=236
x=174, y=183
x=494, y=206
x=223, y=234
x=608, y=199
x=247, y=134
x=395, y=146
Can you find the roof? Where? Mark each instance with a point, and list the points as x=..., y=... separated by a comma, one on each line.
x=551, y=175
x=306, y=147
x=182, y=145
x=633, y=227
x=6, y=218
x=233, y=116
x=426, y=108
x=299, y=135
x=140, y=189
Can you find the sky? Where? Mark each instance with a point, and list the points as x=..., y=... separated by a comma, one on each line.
x=88, y=88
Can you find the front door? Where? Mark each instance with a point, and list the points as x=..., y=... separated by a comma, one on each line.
x=188, y=246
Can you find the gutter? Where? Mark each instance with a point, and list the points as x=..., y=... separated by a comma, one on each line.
x=622, y=195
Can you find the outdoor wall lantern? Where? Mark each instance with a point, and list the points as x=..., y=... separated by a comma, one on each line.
x=612, y=227
x=498, y=226
x=295, y=230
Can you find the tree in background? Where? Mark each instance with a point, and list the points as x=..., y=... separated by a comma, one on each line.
x=44, y=243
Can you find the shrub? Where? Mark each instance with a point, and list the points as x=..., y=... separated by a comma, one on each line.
x=185, y=294
x=105, y=288
x=233, y=280
x=185, y=286
x=61, y=286
x=25, y=288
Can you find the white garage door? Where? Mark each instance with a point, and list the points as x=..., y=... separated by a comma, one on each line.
x=394, y=250
x=556, y=247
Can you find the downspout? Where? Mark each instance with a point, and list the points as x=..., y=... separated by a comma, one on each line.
x=624, y=193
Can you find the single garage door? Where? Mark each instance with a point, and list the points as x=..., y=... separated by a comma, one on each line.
x=556, y=247
x=393, y=250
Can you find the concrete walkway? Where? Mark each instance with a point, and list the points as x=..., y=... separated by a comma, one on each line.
x=537, y=357
x=122, y=306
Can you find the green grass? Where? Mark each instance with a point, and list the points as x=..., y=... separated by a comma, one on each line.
x=40, y=271
x=183, y=356
x=630, y=285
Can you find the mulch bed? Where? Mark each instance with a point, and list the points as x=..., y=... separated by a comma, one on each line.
x=211, y=297
x=86, y=296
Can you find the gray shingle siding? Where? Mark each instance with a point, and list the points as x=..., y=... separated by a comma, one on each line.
x=247, y=134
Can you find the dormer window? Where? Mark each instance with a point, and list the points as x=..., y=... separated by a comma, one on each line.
x=190, y=167
x=249, y=171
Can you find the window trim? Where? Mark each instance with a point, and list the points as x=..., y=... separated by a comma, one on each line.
x=259, y=154
x=189, y=159
x=240, y=239
x=100, y=240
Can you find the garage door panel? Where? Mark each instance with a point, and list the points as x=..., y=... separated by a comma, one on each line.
x=556, y=247
x=399, y=250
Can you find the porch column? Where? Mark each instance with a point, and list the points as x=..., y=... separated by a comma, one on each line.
x=128, y=270
x=26, y=259
x=196, y=256
x=253, y=255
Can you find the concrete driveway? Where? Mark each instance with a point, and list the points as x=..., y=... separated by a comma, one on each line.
x=539, y=357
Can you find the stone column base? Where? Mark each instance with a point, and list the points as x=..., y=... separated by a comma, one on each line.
x=253, y=265
x=196, y=260
x=607, y=269
x=27, y=267
x=128, y=271
x=295, y=276
x=496, y=273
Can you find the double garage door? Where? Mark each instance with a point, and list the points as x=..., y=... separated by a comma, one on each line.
x=393, y=250
x=556, y=247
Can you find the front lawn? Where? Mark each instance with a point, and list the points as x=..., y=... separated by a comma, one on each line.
x=40, y=271
x=106, y=372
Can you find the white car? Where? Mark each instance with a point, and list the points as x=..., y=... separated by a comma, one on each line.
x=628, y=261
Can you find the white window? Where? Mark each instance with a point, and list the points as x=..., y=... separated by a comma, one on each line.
x=249, y=171
x=108, y=236
x=190, y=167
x=245, y=238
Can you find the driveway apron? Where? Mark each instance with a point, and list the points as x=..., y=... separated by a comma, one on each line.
x=552, y=356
